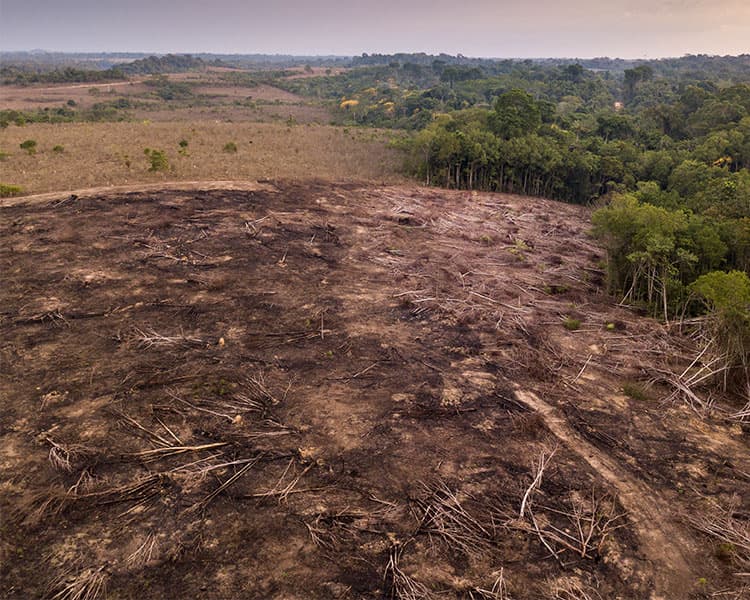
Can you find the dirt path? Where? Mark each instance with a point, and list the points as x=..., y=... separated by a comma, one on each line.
x=661, y=542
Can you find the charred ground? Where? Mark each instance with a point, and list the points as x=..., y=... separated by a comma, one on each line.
x=340, y=391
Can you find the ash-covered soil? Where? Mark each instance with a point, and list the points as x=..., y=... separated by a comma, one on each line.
x=312, y=390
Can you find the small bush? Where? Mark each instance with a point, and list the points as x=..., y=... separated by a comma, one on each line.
x=230, y=147
x=158, y=160
x=571, y=324
x=58, y=149
x=7, y=191
x=29, y=146
x=635, y=391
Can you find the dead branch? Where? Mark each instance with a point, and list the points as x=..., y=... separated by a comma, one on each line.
x=145, y=553
x=725, y=527
x=402, y=586
x=233, y=479
x=151, y=339
x=89, y=584
x=574, y=590
x=282, y=490
x=443, y=514
x=540, y=466
x=499, y=590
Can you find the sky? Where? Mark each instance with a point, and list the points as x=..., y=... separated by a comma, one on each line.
x=486, y=28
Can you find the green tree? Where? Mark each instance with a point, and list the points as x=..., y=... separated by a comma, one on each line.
x=726, y=297
x=516, y=114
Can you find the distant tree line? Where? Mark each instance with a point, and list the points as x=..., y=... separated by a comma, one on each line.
x=170, y=63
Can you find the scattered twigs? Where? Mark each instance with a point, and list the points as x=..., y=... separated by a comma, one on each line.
x=89, y=584
x=250, y=226
x=572, y=589
x=683, y=390
x=157, y=453
x=273, y=340
x=723, y=525
x=583, y=368
x=581, y=525
x=283, y=488
x=151, y=435
x=62, y=456
x=151, y=339
x=743, y=414
x=539, y=467
x=215, y=413
x=403, y=586
x=499, y=590
x=233, y=479
x=145, y=553
x=328, y=527
x=738, y=594
x=443, y=514
x=53, y=316
x=591, y=519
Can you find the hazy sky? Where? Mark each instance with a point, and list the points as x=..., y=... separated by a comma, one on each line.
x=494, y=28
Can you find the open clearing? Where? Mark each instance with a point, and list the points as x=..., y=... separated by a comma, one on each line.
x=309, y=390
x=100, y=154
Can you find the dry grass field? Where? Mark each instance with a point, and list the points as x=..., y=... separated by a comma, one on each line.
x=102, y=154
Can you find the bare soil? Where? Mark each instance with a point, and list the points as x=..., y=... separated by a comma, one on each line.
x=316, y=390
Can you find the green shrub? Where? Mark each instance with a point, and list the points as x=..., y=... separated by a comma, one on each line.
x=157, y=159
x=58, y=149
x=635, y=391
x=29, y=146
x=571, y=324
x=726, y=297
x=230, y=147
x=6, y=191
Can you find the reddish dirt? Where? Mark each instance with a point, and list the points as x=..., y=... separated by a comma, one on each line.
x=313, y=390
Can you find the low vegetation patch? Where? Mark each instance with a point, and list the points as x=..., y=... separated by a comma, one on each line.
x=7, y=191
x=157, y=159
x=29, y=146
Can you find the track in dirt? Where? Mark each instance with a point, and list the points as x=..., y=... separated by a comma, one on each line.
x=309, y=390
x=662, y=543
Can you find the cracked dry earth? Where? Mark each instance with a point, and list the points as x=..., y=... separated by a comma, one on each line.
x=312, y=390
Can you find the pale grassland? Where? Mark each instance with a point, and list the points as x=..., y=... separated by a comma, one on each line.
x=98, y=154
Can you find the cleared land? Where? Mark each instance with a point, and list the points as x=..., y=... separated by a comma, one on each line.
x=308, y=390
